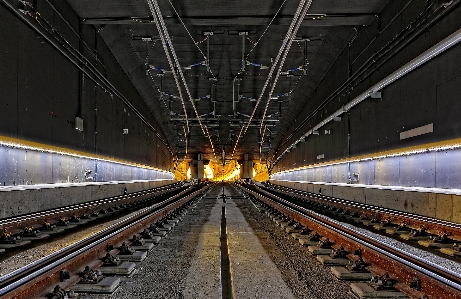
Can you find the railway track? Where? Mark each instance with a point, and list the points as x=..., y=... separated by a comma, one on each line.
x=151, y=210
x=14, y=226
x=415, y=271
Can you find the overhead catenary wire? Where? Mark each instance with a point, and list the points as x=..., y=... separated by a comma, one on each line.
x=289, y=36
x=265, y=30
x=288, y=46
x=415, y=29
x=195, y=43
x=246, y=58
x=168, y=46
x=418, y=61
x=166, y=42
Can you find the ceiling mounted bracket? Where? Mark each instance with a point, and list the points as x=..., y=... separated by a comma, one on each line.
x=376, y=95
x=243, y=34
x=147, y=38
x=208, y=34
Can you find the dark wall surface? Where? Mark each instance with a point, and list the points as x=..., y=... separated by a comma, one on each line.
x=428, y=94
x=43, y=89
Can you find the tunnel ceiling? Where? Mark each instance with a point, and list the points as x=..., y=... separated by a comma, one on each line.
x=128, y=29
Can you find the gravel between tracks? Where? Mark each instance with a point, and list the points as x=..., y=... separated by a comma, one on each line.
x=306, y=277
x=162, y=274
x=30, y=255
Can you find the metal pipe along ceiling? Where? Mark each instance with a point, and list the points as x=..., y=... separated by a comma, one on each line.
x=426, y=56
x=297, y=19
x=90, y=68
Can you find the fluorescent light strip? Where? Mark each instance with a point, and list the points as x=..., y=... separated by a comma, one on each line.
x=439, y=146
x=69, y=153
x=439, y=48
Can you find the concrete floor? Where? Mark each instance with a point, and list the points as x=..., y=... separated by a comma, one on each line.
x=253, y=274
x=264, y=261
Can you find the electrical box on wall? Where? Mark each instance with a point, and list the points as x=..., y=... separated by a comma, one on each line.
x=78, y=124
x=125, y=131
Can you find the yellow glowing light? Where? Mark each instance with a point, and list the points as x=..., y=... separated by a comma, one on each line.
x=233, y=175
x=228, y=171
x=208, y=172
x=260, y=171
x=180, y=170
x=188, y=173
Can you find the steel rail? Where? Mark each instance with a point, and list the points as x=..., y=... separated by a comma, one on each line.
x=87, y=205
x=437, y=272
x=27, y=273
x=367, y=208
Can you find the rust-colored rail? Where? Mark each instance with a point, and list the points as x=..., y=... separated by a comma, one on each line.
x=27, y=283
x=379, y=213
x=399, y=265
x=16, y=224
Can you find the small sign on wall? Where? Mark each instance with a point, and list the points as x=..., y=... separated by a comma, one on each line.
x=417, y=131
x=78, y=124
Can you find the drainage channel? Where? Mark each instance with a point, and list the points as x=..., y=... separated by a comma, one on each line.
x=226, y=279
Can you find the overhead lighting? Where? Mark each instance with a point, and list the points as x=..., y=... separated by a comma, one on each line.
x=424, y=57
x=34, y=146
x=454, y=144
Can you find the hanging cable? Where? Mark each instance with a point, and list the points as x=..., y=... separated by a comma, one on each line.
x=290, y=41
x=264, y=32
x=193, y=40
x=169, y=45
x=288, y=37
x=211, y=142
x=148, y=53
x=166, y=41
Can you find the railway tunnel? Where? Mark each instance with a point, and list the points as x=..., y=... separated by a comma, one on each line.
x=267, y=149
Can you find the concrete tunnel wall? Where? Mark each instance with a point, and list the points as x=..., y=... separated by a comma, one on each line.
x=428, y=95
x=443, y=206
x=42, y=92
x=28, y=199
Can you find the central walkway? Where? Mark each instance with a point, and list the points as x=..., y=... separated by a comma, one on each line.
x=242, y=255
x=253, y=274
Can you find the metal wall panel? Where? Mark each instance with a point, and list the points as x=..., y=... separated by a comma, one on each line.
x=29, y=167
x=418, y=170
x=339, y=173
x=387, y=171
x=42, y=92
x=448, y=173
x=367, y=172
x=438, y=169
